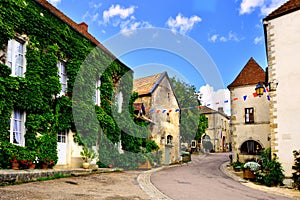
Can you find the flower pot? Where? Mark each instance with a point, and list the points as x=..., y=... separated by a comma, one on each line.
x=15, y=165
x=44, y=166
x=248, y=174
x=85, y=165
x=31, y=166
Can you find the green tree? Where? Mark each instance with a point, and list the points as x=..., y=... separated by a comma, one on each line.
x=192, y=123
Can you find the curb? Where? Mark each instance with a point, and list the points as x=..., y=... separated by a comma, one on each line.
x=144, y=180
x=273, y=190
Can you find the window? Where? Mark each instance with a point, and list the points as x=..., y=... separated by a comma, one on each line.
x=62, y=136
x=62, y=73
x=169, y=139
x=16, y=57
x=97, y=99
x=168, y=117
x=249, y=115
x=119, y=101
x=17, y=128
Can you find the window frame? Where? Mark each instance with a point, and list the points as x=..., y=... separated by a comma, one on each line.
x=249, y=115
x=22, y=127
x=13, y=54
x=62, y=67
x=97, y=98
x=62, y=136
x=119, y=101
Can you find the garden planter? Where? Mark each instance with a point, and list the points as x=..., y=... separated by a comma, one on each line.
x=86, y=165
x=31, y=166
x=248, y=174
x=15, y=165
x=44, y=166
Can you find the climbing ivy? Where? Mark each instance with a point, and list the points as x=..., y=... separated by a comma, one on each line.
x=51, y=40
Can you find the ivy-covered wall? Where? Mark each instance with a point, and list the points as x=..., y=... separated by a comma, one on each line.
x=50, y=39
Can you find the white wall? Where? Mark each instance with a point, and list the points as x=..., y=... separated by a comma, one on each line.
x=287, y=71
x=260, y=130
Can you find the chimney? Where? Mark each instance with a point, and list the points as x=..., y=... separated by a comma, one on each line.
x=220, y=109
x=83, y=26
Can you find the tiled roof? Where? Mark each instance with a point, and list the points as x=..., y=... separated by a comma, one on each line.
x=145, y=85
x=81, y=28
x=251, y=74
x=286, y=8
x=207, y=110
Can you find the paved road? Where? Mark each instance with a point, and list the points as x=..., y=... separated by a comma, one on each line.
x=203, y=179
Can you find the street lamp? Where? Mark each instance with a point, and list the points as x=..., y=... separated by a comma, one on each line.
x=259, y=89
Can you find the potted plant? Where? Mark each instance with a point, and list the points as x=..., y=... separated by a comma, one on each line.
x=14, y=163
x=87, y=156
x=249, y=169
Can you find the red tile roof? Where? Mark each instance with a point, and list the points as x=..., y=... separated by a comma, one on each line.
x=251, y=74
x=145, y=85
x=289, y=6
x=81, y=28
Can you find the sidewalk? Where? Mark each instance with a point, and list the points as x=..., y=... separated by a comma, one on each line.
x=291, y=193
x=13, y=176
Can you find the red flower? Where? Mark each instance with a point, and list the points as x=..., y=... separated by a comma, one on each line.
x=14, y=161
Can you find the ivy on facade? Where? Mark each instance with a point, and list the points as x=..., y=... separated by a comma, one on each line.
x=51, y=40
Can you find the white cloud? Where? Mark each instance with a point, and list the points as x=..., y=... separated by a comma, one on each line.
x=124, y=18
x=223, y=39
x=230, y=37
x=258, y=40
x=265, y=6
x=117, y=11
x=213, y=38
x=182, y=24
x=248, y=6
x=54, y=2
x=129, y=27
x=215, y=99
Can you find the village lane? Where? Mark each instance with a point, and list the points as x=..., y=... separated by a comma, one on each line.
x=203, y=179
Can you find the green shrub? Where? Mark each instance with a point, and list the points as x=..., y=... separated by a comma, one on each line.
x=272, y=172
x=296, y=167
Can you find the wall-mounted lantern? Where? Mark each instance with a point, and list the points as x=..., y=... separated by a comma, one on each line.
x=259, y=89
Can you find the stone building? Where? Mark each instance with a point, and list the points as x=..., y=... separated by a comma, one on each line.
x=217, y=135
x=250, y=124
x=161, y=108
x=42, y=49
x=282, y=28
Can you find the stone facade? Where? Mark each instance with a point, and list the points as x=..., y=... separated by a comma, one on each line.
x=217, y=135
x=250, y=124
x=157, y=95
x=282, y=29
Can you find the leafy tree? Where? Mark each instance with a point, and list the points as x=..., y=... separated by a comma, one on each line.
x=192, y=123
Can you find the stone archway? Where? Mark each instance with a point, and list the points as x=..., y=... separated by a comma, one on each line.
x=251, y=147
x=207, y=144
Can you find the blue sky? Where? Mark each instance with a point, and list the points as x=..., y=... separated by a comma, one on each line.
x=230, y=32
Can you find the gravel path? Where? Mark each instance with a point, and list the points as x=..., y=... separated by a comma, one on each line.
x=107, y=186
